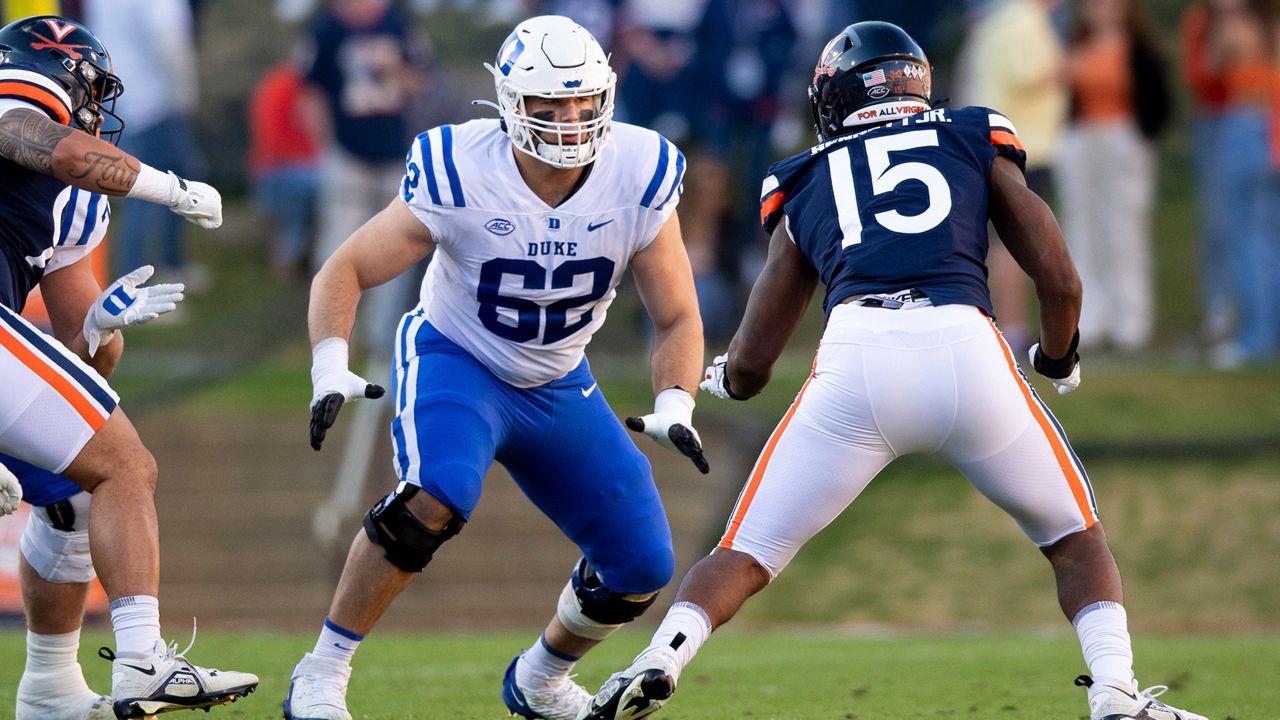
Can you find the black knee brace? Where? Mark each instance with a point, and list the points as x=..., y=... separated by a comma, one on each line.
x=408, y=543
x=603, y=605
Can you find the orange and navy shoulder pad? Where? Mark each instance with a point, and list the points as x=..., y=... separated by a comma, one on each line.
x=1004, y=138
x=18, y=83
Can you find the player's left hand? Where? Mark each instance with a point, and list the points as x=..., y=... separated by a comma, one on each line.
x=671, y=425
x=716, y=381
x=1063, y=373
x=126, y=302
x=10, y=492
x=332, y=385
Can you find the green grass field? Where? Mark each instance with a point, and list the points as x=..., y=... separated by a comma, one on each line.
x=804, y=674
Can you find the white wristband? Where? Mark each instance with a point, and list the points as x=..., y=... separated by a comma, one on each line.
x=154, y=186
x=675, y=403
x=329, y=354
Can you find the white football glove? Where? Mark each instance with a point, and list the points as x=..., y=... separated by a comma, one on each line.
x=198, y=202
x=10, y=492
x=125, y=302
x=1065, y=384
x=671, y=425
x=332, y=385
x=195, y=201
x=715, y=380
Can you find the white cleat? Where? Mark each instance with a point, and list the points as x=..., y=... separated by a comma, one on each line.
x=639, y=691
x=561, y=700
x=318, y=690
x=60, y=695
x=1116, y=702
x=165, y=681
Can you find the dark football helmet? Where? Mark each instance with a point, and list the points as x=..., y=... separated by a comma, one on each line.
x=65, y=51
x=870, y=73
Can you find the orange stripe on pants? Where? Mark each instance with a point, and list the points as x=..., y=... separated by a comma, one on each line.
x=91, y=415
x=1055, y=442
x=753, y=484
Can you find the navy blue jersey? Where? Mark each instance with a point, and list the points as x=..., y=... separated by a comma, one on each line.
x=898, y=206
x=45, y=224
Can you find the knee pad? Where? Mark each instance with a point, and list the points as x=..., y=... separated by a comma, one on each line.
x=589, y=609
x=56, y=541
x=408, y=543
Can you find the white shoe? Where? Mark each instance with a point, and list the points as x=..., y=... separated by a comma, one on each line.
x=165, y=681
x=640, y=690
x=561, y=700
x=1116, y=702
x=60, y=695
x=318, y=690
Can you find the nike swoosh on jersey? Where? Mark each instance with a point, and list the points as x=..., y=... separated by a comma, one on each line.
x=592, y=227
x=586, y=392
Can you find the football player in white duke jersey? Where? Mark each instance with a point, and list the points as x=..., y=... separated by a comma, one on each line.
x=889, y=213
x=59, y=420
x=533, y=219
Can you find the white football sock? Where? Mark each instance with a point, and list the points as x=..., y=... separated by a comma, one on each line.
x=337, y=643
x=136, y=621
x=1103, y=628
x=542, y=663
x=689, y=620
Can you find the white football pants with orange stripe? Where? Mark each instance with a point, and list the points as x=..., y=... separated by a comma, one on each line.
x=51, y=402
x=887, y=383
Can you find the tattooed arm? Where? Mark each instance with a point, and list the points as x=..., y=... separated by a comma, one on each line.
x=35, y=142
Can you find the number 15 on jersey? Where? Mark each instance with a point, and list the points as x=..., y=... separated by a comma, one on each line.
x=886, y=177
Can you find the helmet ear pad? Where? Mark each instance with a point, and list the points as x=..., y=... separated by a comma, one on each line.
x=870, y=73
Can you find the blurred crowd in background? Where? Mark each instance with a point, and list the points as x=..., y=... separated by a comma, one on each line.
x=1090, y=85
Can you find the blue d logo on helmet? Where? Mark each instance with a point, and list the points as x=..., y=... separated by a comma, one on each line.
x=553, y=57
x=509, y=53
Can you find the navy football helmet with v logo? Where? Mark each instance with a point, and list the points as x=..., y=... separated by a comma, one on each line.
x=870, y=73
x=68, y=53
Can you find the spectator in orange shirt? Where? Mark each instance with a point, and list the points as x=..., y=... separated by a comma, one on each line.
x=1209, y=99
x=283, y=165
x=1242, y=50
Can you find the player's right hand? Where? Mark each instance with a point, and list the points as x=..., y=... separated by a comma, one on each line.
x=332, y=385
x=198, y=202
x=10, y=492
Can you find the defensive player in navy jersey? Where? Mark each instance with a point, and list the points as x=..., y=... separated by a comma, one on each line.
x=55, y=567
x=888, y=212
x=57, y=412
x=532, y=221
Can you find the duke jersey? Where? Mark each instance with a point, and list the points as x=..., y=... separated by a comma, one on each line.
x=520, y=285
x=898, y=206
x=44, y=223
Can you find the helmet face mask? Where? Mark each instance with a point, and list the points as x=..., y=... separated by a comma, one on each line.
x=870, y=73
x=554, y=58
x=67, y=53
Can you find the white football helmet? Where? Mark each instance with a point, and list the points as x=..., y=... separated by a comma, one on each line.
x=551, y=56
